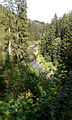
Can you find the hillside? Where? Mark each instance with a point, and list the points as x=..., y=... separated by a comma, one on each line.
x=35, y=65
x=39, y=22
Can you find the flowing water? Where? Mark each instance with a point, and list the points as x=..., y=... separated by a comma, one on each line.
x=35, y=63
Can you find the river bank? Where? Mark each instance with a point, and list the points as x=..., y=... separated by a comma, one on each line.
x=40, y=63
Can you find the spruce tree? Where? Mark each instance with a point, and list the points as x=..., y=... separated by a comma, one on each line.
x=8, y=22
x=66, y=42
x=22, y=34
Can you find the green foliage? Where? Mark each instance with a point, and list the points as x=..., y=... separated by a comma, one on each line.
x=2, y=84
x=56, y=45
x=26, y=94
x=66, y=44
x=34, y=30
x=14, y=27
x=56, y=41
x=63, y=97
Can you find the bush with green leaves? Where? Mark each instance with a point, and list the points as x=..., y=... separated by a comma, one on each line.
x=48, y=98
x=24, y=107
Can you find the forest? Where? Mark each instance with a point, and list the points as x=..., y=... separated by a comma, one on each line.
x=28, y=93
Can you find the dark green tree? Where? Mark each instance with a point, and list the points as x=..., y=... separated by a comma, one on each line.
x=66, y=41
x=22, y=34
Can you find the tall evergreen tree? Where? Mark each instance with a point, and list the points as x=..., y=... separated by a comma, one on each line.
x=8, y=22
x=17, y=26
x=22, y=35
x=66, y=38
x=55, y=23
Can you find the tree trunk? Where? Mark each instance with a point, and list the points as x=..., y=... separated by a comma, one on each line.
x=9, y=41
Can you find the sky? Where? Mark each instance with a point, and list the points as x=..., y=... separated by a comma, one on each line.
x=44, y=10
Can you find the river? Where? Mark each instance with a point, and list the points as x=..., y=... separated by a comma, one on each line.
x=35, y=63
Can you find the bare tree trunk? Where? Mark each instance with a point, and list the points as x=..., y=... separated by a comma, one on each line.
x=17, y=36
x=17, y=30
x=9, y=41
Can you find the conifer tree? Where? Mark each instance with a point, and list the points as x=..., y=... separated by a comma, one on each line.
x=22, y=35
x=16, y=23
x=66, y=41
x=8, y=22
